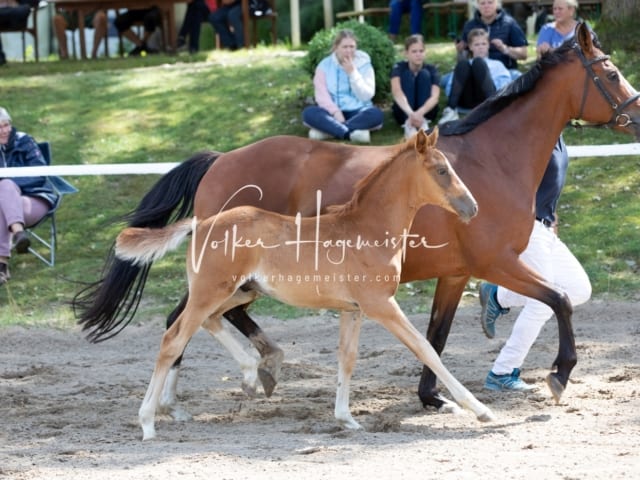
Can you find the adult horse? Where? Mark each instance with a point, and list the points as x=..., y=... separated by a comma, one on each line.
x=348, y=258
x=500, y=150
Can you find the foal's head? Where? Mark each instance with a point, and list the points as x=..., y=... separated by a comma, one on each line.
x=441, y=184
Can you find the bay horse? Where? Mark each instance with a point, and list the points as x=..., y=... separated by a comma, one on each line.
x=500, y=150
x=347, y=259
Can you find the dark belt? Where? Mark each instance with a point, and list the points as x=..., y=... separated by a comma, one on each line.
x=545, y=222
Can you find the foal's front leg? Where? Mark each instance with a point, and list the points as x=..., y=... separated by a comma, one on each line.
x=350, y=323
x=388, y=313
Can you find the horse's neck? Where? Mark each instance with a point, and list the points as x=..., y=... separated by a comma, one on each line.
x=391, y=199
x=528, y=132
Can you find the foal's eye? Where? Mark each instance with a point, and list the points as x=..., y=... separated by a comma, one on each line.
x=442, y=171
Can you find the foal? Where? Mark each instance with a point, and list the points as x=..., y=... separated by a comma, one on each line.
x=348, y=259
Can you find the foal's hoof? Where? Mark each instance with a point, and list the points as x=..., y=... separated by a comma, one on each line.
x=249, y=390
x=487, y=416
x=449, y=407
x=269, y=371
x=556, y=386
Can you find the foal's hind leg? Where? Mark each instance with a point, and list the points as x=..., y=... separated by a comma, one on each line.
x=389, y=314
x=173, y=343
x=272, y=355
x=248, y=363
x=169, y=397
x=350, y=323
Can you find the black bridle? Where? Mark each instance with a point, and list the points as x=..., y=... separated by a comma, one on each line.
x=618, y=118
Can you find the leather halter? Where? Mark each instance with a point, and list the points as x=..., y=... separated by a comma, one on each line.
x=618, y=118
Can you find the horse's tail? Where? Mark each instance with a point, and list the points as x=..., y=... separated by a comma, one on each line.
x=106, y=306
x=142, y=246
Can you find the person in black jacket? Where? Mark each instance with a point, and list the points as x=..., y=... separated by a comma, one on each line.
x=23, y=200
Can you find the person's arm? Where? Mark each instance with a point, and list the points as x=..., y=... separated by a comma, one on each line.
x=362, y=78
x=31, y=157
x=323, y=96
x=431, y=102
x=399, y=97
x=499, y=73
x=517, y=53
x=544, y=40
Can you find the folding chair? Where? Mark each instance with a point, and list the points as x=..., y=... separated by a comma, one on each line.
x=62, y=187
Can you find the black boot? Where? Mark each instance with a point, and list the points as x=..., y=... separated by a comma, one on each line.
x=4, y=273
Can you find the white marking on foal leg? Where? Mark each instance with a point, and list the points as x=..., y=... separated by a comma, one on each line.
x=248, y=363
x=391, y=316
x=169, y=397
x=350, y=323
x=147, y=411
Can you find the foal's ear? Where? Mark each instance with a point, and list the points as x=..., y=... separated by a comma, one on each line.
x=584, y=37
x=433, y=137
x=422, y=142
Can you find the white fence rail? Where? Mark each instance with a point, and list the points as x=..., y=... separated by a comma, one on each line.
x=162, y=168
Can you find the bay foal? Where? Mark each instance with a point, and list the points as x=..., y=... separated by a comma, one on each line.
x=348, y=259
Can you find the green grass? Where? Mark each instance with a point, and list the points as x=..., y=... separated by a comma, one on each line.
x=164, y=109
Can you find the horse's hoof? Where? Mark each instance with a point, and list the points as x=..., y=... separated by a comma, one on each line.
x=556, y=386
x=148, y=433
x=180, y=414
x=269, y=371
x=450, y=407
x=268, y=382
x=487, y=416
x=350, y=424
x=249, y=390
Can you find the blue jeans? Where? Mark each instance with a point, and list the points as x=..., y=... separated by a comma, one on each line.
x=223, y=19
x=368, y=118
x=400, y=7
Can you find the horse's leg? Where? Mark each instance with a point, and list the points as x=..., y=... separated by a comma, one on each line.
x=173, y=344
x=389, y=314
x=350, y=323
x=248, y=363
x=271, y=353
x=445, y=303
x=519, y=277
x=169, y=398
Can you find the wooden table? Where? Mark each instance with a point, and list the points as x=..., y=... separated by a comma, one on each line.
x=84, y=7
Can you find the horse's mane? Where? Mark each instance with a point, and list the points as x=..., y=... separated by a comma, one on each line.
x=514, y=90
x=363, y=185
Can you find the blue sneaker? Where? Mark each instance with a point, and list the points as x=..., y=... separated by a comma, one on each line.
x=491, y=309
x=510, y=382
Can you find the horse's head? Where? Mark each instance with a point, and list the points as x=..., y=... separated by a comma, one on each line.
x=607, y=97
x=443, y=186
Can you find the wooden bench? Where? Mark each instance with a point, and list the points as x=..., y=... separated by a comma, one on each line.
x=365, y=12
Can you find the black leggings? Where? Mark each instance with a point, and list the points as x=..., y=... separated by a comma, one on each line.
x=472, y=84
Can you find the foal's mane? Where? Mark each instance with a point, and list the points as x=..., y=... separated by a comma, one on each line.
x=514, y=90
x=364, y=184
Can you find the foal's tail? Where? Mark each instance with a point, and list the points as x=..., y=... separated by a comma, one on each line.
x=106, y=306
x=142, y=246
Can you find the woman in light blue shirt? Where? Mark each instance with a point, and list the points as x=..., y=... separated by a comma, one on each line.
x=554, y=34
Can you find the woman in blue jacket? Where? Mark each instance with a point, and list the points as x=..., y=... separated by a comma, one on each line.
x=23, y=200
x=344, y=84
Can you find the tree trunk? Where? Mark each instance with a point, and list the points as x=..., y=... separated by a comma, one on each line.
x=615, y=11
x=617, y=28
